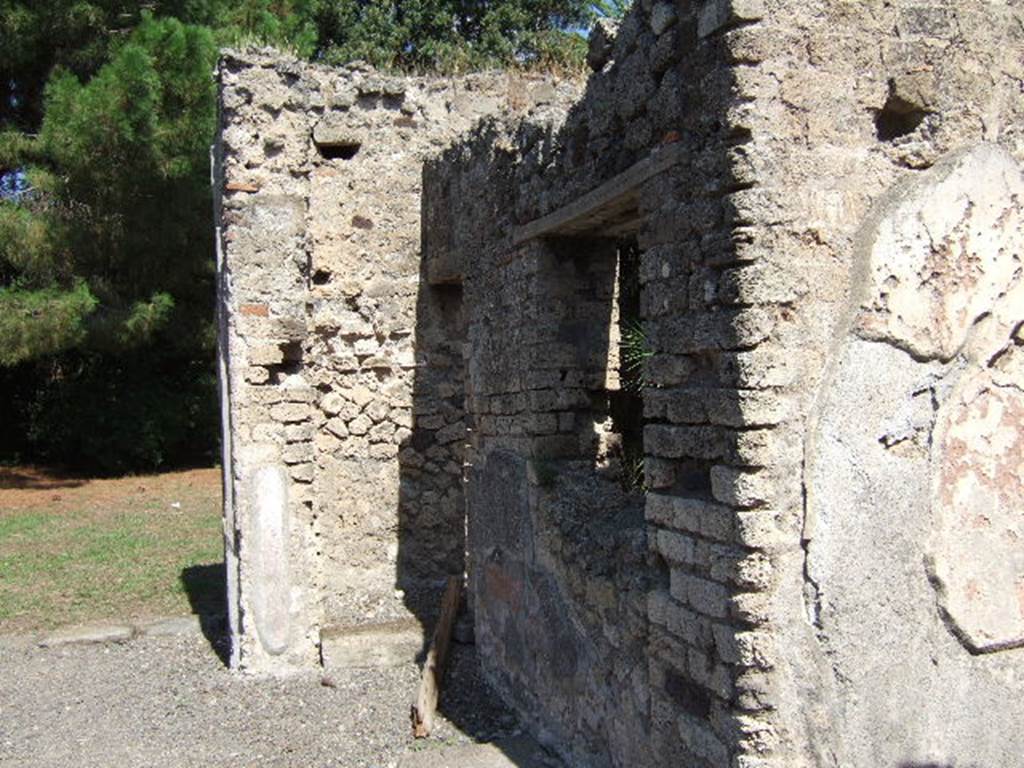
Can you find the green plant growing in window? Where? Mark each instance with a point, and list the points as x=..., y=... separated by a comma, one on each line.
x=633, y=471
x=635, y=349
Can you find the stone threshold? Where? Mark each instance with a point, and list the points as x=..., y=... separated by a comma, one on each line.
x=513, y=752
x=100, y=632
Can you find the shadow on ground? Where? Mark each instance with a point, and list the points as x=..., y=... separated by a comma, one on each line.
x=204, y=585
x=31, y=479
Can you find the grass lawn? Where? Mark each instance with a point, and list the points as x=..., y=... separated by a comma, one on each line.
x=78, y=549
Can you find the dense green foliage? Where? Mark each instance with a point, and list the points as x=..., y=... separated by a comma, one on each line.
x=107, y=110
x=106, y=289
x=450, y=34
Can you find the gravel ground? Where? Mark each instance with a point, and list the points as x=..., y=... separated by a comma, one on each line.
x=163, y=702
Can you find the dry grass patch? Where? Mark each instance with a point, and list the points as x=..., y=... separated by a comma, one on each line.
x=79, y=549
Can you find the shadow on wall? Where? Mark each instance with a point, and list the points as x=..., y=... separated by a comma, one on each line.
x=431, y=505
x=204, y=586
x=511, y=381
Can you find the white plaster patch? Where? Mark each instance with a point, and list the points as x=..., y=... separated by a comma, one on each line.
x=978, y=498
x=945, y=253
x=270, y=572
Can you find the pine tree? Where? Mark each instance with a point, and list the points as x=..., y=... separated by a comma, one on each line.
x=105, y=248
x=107, y=111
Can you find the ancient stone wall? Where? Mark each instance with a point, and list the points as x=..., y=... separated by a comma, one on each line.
x=344, y=375
x=659, y=640
x=805, y=221
x=887, y=140
x=830, y=415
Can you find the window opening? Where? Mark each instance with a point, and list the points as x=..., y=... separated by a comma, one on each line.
x=626, y=403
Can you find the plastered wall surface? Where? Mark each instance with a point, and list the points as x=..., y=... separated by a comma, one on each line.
x=823, y=563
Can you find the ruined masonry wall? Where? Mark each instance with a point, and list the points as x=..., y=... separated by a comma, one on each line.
x=824, y=566
x=660, y=638
x=831, y=282
x=886, y=142
x=347, y=504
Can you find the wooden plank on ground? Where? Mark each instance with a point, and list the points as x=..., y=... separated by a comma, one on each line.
x=433, y=670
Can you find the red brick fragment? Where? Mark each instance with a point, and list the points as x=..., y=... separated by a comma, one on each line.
x=254, y=310
x=241, y=186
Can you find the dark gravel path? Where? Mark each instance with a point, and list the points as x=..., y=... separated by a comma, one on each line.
x=164, y=702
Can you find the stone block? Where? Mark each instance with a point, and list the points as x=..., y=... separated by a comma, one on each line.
x=748, y=570
x=716, y=14
x=296, y=453
x=298, y=393
x=757, y=528
x=665, y=53
x=754, y=691
x=764, y=447
x=663, y=370
x=336, y=130
x=301, y=473
x=759, y=283
x=601, y=42
x=267, y=558
x=675, y=547
x=257, y=375
x=663, y=16
x=266, y=354
x=685, y=441
x=332, y=403
x=698, y=516
x=360, y=425
x=88, y=634
x=178, y=626
x=659, y=473
x=702, y=595
x=751, y=607
x=758, y=369
x=289, y=413
x=706, y=672
x=748, y=408
x=254, y=310
x=391, y=644
x=754, y=650
x=742, y=488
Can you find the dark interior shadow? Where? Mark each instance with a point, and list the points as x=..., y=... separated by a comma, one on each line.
x=31, y=479
x=516, y=411
x=504, y=327
x=204, y=585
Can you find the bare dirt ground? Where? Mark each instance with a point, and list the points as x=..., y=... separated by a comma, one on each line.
x=30, y=486
x=112, y=551
x=168, y=702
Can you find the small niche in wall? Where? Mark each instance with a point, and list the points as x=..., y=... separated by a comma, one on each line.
x=898, y=117
x=339, y=151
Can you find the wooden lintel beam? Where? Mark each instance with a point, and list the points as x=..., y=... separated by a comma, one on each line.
x=609, y=200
